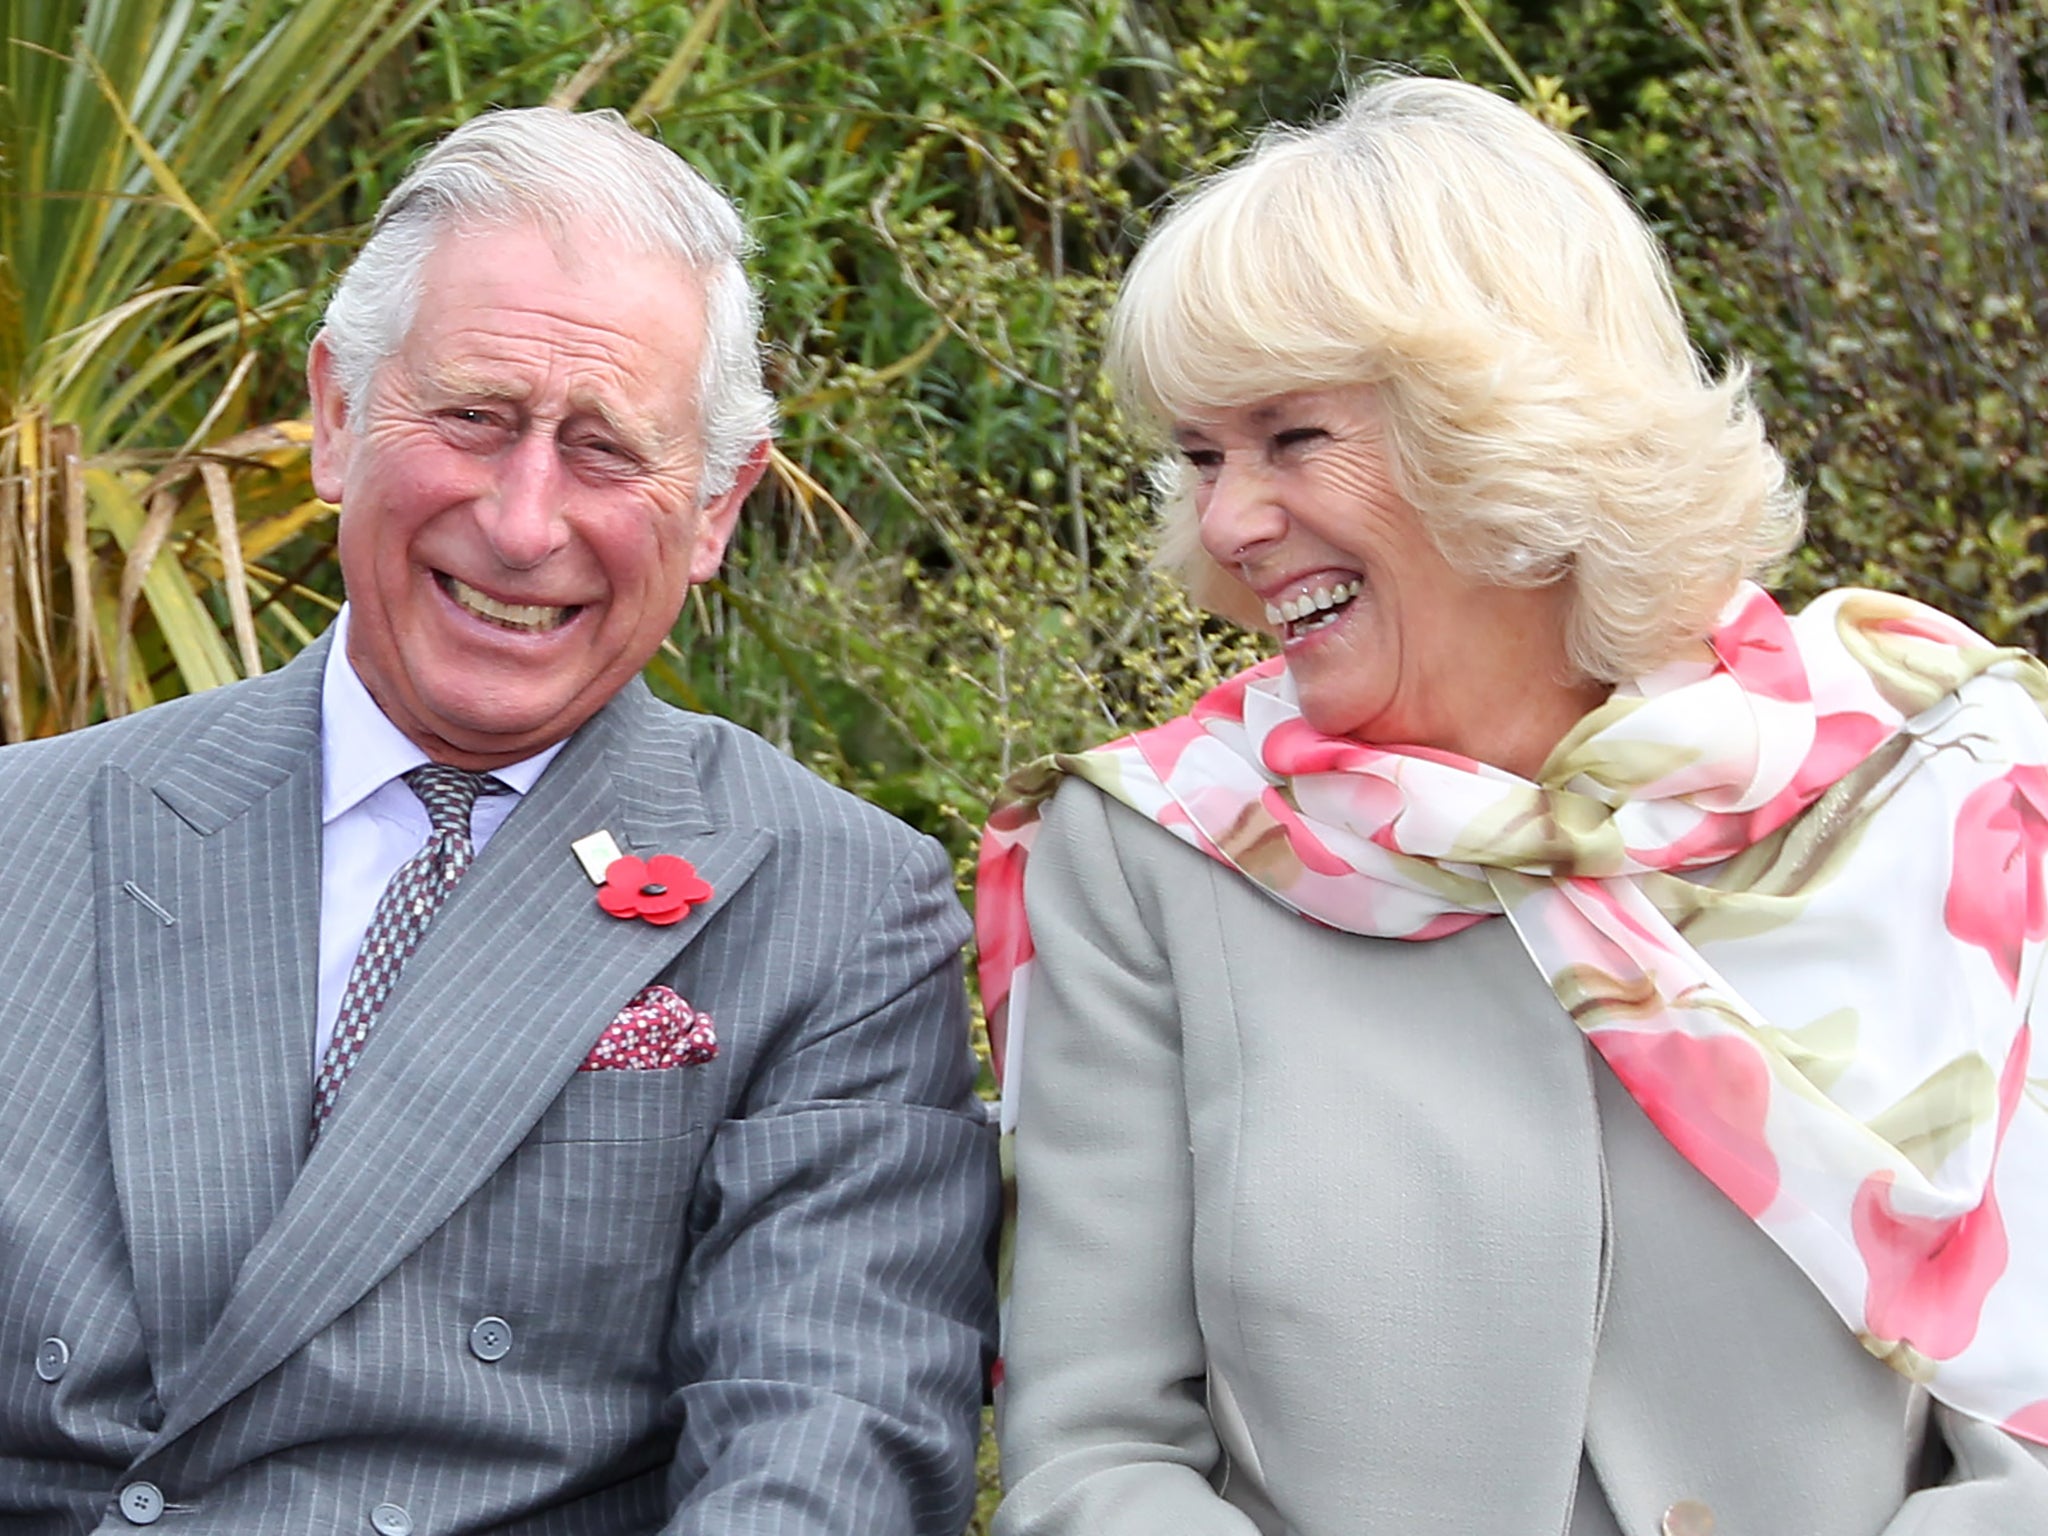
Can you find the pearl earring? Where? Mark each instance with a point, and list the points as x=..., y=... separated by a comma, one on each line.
x=1520, y=559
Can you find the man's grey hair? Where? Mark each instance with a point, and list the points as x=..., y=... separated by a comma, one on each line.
x=566, y=173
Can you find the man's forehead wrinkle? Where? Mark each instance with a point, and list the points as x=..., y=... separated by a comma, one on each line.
x=547, y=338
x=502, y=317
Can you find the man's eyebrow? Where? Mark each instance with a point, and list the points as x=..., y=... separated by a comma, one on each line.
x=638, y=431
x=466, y=385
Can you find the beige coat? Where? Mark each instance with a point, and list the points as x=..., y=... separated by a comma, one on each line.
x=1321, y=1234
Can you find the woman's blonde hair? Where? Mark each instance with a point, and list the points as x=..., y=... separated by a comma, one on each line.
x=1543, y=410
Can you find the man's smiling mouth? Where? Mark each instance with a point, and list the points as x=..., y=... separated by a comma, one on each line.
x=526, y=618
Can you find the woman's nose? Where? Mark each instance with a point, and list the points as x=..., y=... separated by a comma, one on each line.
x=1239, y=512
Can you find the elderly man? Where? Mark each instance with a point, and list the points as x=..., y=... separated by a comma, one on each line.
x=441, y=1088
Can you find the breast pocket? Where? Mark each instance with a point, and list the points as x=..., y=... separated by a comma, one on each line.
x=655, y=1105
x=594, y=1205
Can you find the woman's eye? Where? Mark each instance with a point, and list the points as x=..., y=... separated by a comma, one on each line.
x=1205, y=462
x=1296, y=437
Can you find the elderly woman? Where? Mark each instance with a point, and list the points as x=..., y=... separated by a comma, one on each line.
x=1549, y=1051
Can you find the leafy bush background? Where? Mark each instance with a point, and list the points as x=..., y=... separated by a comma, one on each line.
x=946, y=574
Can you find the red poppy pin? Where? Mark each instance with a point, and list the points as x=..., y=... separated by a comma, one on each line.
x=658, y=890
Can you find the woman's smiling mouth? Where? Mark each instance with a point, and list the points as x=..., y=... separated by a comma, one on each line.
x=1313, y=609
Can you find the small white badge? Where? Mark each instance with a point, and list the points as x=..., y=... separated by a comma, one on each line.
x=596, y=854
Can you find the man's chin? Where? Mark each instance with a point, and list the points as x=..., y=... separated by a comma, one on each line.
x=482, y=734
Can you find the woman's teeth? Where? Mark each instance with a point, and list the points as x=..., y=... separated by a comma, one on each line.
x=533, y=618
x=1317, y=605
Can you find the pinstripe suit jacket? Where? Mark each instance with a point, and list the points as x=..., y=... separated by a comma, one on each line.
x=748, y=1296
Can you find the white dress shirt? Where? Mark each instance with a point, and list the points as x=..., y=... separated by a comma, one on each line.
x=370, y=821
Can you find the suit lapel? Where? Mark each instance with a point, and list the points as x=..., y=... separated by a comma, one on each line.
x=208, y=892
x=488, y=1021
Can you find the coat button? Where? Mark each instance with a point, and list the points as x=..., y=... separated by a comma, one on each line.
x=142, y=1503
x=52, y=1356
x=1688, y=1517
x=391, y=1520
x=491, y=1339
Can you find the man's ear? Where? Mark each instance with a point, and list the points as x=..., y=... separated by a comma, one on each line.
x=721, y=514
x=332, y=440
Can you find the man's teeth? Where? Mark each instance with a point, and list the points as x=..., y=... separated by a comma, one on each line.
x=1320, y=600
x=527, y=616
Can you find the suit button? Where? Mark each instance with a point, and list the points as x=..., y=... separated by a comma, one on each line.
x=1688, y=1517
x=391, y=1520
x=142, y=1503
x=491, y=1339
x=52, y=1356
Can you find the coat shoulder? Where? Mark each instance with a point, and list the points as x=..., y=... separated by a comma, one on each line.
x=224, y=742
x=59, y=766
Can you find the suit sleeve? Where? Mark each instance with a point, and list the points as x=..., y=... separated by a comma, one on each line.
x=1103, y=1426
x=836, y=1309
x=1997, y=1485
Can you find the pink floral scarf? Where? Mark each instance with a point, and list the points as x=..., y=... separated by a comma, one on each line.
x=1793, y=895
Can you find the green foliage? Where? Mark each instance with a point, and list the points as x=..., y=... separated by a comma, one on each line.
x=145, y=265
x=1301, y=54
x=997, y=604
x=988, y=1486
x=1872, y=189
x=946, y=575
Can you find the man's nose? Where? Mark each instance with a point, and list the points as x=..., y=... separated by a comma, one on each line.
x=523, y=522
x=1239, y=512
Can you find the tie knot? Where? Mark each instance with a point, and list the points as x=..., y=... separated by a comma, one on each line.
x=449, y=794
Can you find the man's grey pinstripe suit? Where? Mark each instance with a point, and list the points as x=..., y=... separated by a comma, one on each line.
x=753, y=1285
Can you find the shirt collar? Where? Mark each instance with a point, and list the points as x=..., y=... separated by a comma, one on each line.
x=361, y=750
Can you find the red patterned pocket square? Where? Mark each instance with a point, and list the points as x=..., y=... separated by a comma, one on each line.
x=656, y=1030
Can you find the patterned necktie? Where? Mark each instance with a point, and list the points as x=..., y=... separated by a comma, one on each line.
x=408, y=904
